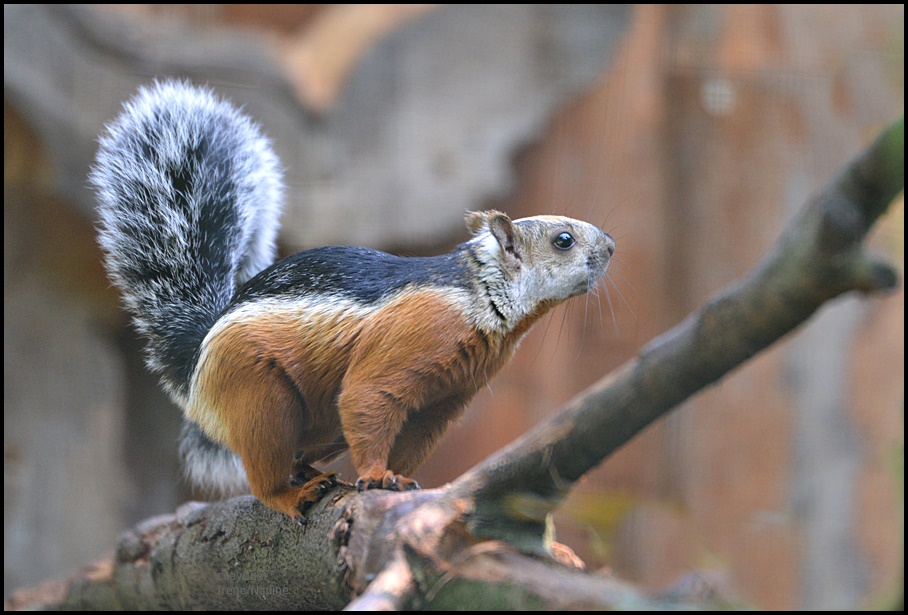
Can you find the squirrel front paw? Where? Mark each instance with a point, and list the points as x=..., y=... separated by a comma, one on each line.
x=387, y=480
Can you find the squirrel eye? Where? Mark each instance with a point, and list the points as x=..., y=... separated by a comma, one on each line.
x=564, y=241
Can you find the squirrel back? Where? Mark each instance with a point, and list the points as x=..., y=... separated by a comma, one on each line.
x=190, y=195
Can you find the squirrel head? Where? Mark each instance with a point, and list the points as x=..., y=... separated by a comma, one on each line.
x=537, y=261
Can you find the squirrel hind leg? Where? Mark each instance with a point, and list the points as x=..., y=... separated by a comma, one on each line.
x=267, y=440
x=291, y=494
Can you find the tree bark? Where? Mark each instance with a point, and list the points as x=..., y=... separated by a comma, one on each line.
x=483, y=541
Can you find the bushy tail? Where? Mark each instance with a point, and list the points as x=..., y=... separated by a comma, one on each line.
x=209, y=465
x=190, y=194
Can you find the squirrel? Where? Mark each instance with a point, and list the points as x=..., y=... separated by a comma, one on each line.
x=281, y=365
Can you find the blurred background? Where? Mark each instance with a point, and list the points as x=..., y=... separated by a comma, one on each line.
x=691, y=133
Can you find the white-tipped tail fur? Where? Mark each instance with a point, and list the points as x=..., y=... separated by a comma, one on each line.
x=210, y=466
x=190, y=196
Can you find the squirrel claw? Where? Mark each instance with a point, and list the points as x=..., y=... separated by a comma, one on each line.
x=327, y=481
x=389, y=480
x=312, y=492
x=402, y=483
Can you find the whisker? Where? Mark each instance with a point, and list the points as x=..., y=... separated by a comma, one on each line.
x=608, y=297
x=611, y=211
x=586, y=310
x=564, y=318
x=599, y=304
x=623, y=299
x=545, y=332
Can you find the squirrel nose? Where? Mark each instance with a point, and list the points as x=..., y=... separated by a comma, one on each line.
x=609, y=245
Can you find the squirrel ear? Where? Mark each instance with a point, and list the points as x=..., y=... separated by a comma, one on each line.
x=500, y=227
x=477, y=221
x=503, y=230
